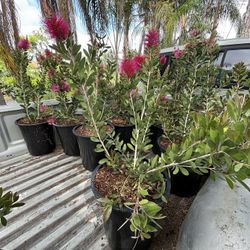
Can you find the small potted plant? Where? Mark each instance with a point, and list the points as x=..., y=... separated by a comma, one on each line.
x=37, y=133
x=64, y=118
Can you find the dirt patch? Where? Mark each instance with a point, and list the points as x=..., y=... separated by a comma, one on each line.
x=175, y=211
x=25, y=120
x=164, y=142
x=68, y=122
x=119, y=121
x=83, y=131
x=88, y=132
x=110, y=183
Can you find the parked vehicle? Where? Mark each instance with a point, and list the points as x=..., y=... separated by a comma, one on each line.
x=231, y=52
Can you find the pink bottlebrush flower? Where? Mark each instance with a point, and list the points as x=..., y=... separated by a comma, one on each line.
x=51, y=120
x=133, y=92
x=65, y=86
x=51, y=73
x=48, y=53
x=178, y=53
x=55, y=87
x=42, y=108
x=163, y=98
x=187, y=46
x=128, y=67
x=163, y=60
x=152, y=38
x=139, y=59
x=23, y=44
x=57, y=27
x=40, y=58
x=193, y=33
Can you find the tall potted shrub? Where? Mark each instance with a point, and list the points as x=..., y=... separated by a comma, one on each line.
x=90, y=80
x=62, y=85
x=191, y=88
x=28, y=92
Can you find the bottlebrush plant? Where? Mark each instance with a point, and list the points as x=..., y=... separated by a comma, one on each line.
x=61, y=84
x=191, y=85
x=211, y=141
x=26, y=91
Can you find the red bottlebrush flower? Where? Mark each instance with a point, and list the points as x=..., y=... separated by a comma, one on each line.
x=57, y=27
x=55, y=87
x=128, y=67
x=42, y=108
x=152, y=38
x=51, y=73
x=163, y=60
x=139, y=60
x=40, y=58
x=48, y=53
x=178, y=53
x=23, y=44
x=65, y=86
x=51, y=120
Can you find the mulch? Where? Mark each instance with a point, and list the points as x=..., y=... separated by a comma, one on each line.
x=175, y=211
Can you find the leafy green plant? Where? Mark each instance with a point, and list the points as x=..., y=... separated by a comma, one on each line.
x=8, y=201
x=24, y=90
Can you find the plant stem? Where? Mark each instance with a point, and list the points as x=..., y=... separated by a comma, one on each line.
x=189, y=103
x=183, y=162
x=93, y=120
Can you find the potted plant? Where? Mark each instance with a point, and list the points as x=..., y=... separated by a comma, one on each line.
x=191, y=88
x=37, y=133
x=91, y=80
x=65, y=117
x=131, y=185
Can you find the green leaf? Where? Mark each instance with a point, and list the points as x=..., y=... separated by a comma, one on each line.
x=238, y=166
x=229, y=182
x=176, y=170
x=102, y=161
x=3, y=221
x=184, y=171
x=107, y=212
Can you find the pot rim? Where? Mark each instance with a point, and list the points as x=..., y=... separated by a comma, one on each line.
x=29, y=125
x=64, y=126
x=123, y=208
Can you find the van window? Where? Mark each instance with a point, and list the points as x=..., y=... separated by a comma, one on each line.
x=236, y=56
x=217, y=61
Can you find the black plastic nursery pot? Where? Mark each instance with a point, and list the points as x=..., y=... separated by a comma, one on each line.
x=67, y=139
x=156, y=131
x=122, y=239
x=38, y=137
x=89, y=157
x=185, y=186
x=124, y=132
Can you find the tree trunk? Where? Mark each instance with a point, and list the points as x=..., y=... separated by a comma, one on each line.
x=245, y=27
x=2, y=101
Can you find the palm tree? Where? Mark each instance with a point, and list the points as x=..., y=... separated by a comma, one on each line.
x=9, y=35
x=245, y=25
